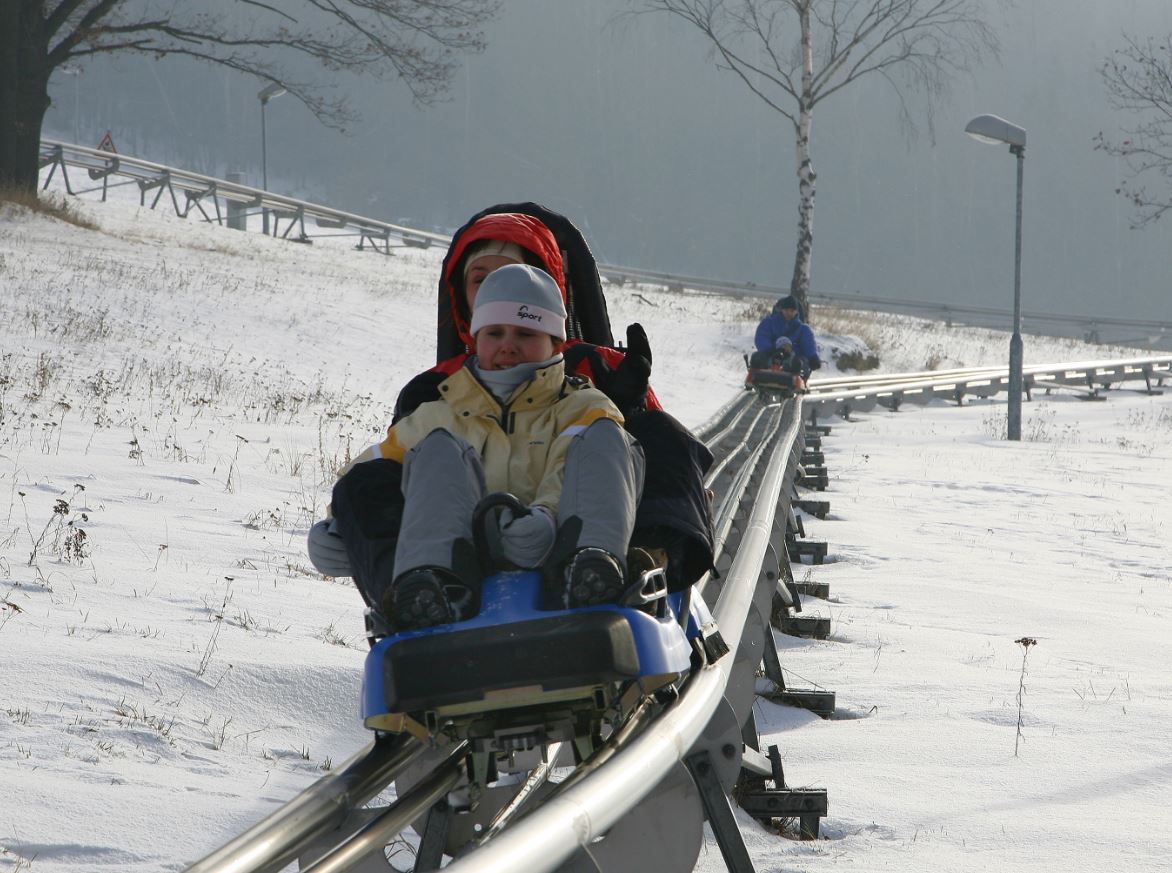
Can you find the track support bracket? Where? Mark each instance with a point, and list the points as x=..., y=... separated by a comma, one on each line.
x=719, y=810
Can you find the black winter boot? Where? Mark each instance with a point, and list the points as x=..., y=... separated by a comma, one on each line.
x=424, y=597
x=593, y=576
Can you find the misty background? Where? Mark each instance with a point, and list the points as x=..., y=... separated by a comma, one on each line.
x=667, y=163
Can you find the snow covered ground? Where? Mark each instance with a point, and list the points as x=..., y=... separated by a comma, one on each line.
x=175, y=397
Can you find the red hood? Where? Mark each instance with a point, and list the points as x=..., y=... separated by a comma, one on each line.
x=524, y=230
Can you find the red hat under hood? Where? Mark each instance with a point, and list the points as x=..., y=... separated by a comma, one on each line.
x=515, y=227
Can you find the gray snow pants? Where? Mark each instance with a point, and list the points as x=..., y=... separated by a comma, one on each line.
x=443, y=480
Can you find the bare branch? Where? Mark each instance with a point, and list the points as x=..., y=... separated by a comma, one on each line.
x=914, y=44
x=268, y=8
x=705, y=15
x=793, y=54
x=415, y=41
x=1138, y=78
x=69, y=9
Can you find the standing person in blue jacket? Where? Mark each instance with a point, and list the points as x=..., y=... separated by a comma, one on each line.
x=786, y=323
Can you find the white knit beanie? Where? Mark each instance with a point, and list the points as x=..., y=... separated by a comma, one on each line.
x=485, y=247
x=521, y=295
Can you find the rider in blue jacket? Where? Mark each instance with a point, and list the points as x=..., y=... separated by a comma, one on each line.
x=785, y=323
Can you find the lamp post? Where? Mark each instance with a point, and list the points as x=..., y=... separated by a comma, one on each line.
x=991, y=129
x=267, y=93
x=76, y=73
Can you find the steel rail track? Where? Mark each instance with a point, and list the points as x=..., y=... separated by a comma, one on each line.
x=396, y=818
x=730, y=500
x=277, y=840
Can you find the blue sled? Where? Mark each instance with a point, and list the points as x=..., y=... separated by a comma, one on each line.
x=514, y=655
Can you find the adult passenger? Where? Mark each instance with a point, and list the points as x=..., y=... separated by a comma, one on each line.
x=785, y=322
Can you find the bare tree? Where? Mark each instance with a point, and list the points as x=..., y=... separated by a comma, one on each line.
x=794, y=54
x=1139, y=81
x=416, y=41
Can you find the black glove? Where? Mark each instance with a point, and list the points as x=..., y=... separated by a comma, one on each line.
x=628, y=386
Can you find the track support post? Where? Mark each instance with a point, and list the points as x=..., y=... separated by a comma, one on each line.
x=431, y=846
x=718, y=808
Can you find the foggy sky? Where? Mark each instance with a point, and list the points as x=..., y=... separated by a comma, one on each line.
x=668, y=163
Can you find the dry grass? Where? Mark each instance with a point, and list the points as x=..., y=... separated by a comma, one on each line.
x=847, y=322
x=52, y=205
x=860, y=362
x=755, y=310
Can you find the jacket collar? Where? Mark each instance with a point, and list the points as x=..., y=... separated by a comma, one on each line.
x=464, y=392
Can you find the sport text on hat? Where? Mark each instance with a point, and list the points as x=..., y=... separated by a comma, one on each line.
x=520, y=295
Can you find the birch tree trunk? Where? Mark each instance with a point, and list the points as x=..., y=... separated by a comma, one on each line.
x=800, y=284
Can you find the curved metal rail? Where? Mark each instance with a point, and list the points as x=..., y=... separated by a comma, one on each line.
x=272, y=843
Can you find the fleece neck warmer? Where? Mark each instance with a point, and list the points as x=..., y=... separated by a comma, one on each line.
x=502, y=383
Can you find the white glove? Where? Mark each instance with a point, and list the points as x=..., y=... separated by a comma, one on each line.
x=526, y=540
x=327, y=552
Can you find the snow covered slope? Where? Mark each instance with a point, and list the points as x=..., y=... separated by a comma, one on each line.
x=175, y=398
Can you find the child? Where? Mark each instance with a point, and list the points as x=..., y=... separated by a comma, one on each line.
x=509, y=419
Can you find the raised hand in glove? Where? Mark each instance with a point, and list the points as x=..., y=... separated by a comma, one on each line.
x=627, y=387
x=327, y=552
x=527, y=539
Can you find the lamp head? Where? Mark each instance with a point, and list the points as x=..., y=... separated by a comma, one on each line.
x=268, y=92
x=990, y=128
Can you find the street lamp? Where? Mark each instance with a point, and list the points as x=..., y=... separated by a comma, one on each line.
x=990, y=128
x=76, y=73
x=267, y=93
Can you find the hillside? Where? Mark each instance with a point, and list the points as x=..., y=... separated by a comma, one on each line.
x=175, y=399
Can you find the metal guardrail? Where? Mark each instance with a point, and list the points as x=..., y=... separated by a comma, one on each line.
x=841, y=396
x=1136, y=332
x=204, y=193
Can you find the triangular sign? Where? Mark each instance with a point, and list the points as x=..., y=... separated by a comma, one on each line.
x=107, y=144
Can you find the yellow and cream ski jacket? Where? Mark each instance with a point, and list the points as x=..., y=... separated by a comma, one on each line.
x=522, y=443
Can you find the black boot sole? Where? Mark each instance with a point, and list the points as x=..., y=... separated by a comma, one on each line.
x=419, y=602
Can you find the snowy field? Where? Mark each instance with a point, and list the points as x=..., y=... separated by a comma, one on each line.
x=175, y=398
